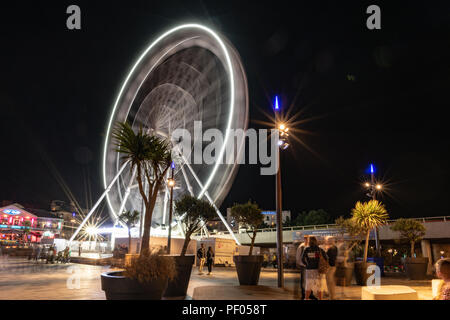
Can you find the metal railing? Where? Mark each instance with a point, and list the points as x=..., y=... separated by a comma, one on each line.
x=328, y=226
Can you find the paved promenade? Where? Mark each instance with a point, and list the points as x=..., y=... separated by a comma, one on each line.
x=23, y=279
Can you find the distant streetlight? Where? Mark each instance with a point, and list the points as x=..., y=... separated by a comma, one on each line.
x=277, y=105
x=171, y=184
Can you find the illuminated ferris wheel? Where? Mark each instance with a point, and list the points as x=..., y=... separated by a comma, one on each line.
x=188, y=74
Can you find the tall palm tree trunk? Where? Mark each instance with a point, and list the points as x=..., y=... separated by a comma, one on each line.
x=148, y=213
x=366, y=246
x=145, y=246
x=412, y=249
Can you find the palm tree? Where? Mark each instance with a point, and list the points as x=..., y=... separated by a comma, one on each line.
x=130, y=218
x=150, y=156
x=367, y=216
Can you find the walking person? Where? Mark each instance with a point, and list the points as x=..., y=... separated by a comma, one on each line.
x=311, y=259
x=201, y=255
x=209, y=259
x=332, y=252
x=301, y=265
x=274, y=261
x=50, y=256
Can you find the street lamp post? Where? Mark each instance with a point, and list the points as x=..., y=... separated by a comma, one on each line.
x=171, y=183
x=282, y=144
x=279, y=226
x=373, y=187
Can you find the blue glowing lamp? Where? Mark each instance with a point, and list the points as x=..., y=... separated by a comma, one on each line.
x=172, y=165
x=277, y=105
x=371, y=168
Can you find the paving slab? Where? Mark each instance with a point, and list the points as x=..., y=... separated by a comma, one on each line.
x=388, y=292
x=241, y=293
x=24, y=279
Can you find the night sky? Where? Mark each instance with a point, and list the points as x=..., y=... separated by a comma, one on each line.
x=376, y=96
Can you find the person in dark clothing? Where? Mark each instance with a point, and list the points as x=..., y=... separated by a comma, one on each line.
x=310, y=258
x=332, y=252
x=209, y=259
x=300, y=264
x=201, y=255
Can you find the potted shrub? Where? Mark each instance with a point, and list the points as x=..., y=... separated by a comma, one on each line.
x=196, y=213
x=150, y=158
x=367, y=216
x=248, y=267
x=144, y=278
x=412, y=231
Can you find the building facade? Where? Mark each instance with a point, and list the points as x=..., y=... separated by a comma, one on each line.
x=20, y=225
x=67, y=212
x=269, y=218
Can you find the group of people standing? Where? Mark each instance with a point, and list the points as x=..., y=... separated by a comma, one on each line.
x=317, y=265
x=50, y=254
x=205, y=257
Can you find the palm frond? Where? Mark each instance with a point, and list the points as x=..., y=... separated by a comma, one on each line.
x=130, y=218
x=369, y=215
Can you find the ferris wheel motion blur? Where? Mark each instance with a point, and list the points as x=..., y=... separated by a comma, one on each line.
x=188, y=74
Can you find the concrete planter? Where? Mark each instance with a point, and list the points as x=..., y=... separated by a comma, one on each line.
x=119, y=287
x=416, y=268
x=361, y=272
x=248, y=269
x=178, y=286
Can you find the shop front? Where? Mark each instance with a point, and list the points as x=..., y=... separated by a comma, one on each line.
x=19, y=226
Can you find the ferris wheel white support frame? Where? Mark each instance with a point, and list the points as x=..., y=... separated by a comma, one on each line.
x=122, y=207
x=191, y=191
x=127, y=194
x=206, y=194
x=98, y=202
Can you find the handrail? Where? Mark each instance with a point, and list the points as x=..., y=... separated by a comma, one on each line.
x=327, y=226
